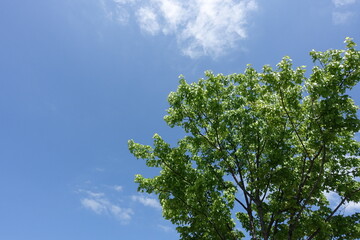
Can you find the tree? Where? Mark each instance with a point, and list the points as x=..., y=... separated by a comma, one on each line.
x=262, y=149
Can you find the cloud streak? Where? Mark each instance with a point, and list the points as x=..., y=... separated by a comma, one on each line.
x=201, y=27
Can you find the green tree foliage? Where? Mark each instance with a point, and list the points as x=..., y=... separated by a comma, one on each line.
x=261, y=151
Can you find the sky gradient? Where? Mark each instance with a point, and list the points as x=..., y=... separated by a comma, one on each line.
x=78, y=78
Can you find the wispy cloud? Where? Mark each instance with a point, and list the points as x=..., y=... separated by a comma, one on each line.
x=332, y=197
x=165, y=228
x=342, y=12
x=99, y=169
x=339, y=3
x=148, y=20
x=341, y=17
x=115, y=11
x=201, y=27
x=352, y=207
x=117, y=188
x=94, y=205
x=146, y=201
x=99, y=204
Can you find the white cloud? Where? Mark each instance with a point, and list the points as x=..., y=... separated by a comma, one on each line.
x=148, y=20
x=217, y=26
x=342, y=12
x=348, y=207
x=341, y=17
x=93, y=205
x=352, y=207
x=332, y=197
x=115, y=11
x=124, y=1
x=146, y=201
x=94, y=194
x=123, y=214
x=201, y=27
x=99, y=204
x=174, y=14
x=118, y=188
x=339, y=3
x=166, y=228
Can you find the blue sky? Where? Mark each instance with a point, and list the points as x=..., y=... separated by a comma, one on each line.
x=78, y=78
